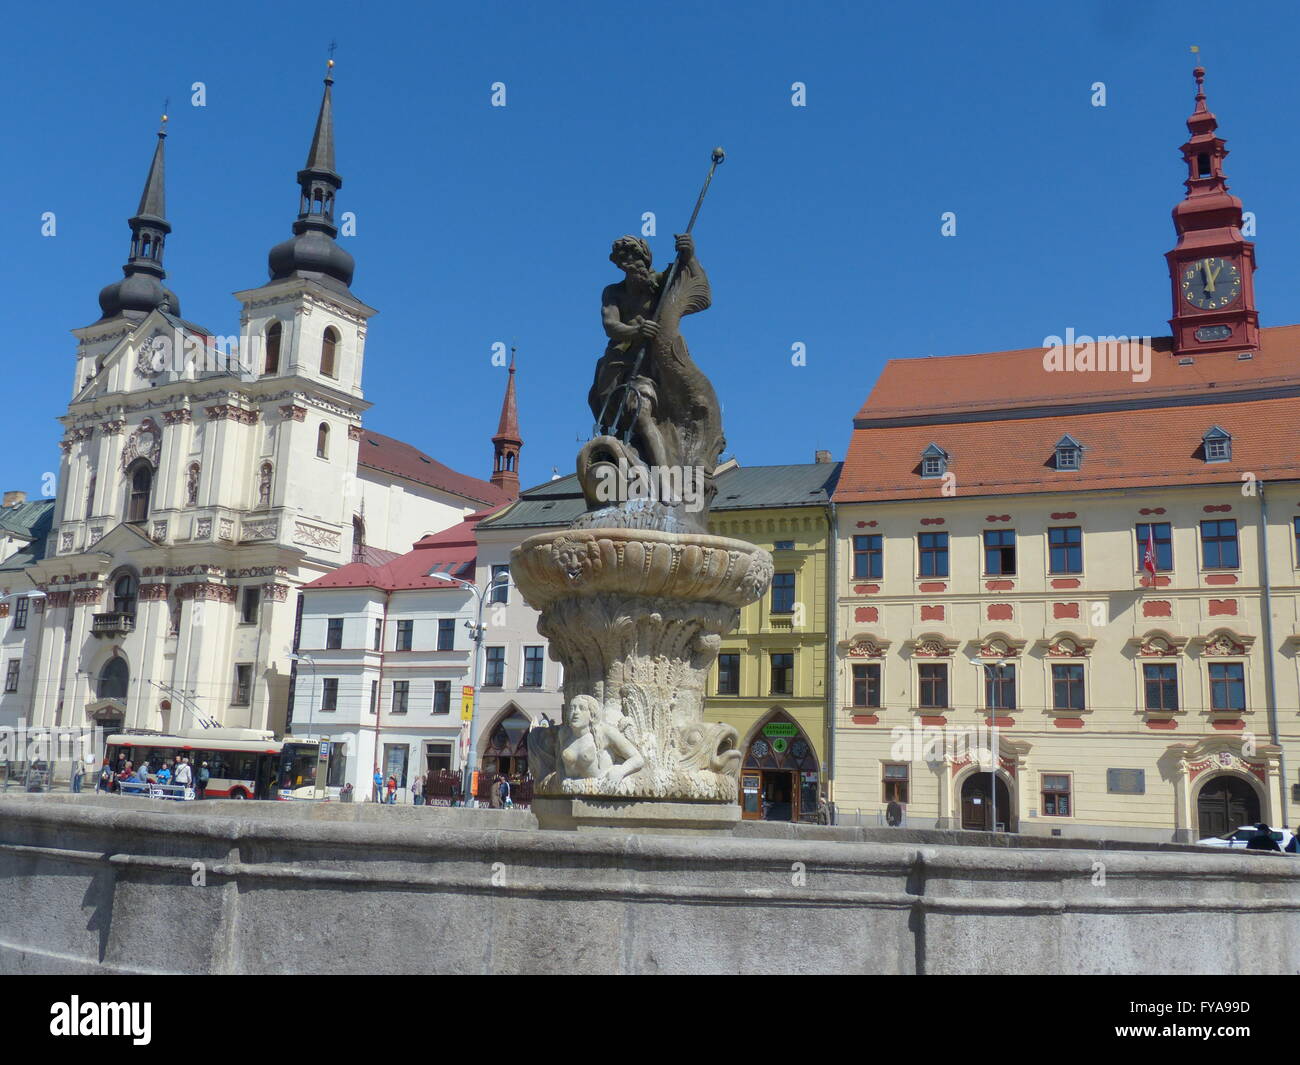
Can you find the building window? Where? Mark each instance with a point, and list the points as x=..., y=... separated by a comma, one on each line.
x=264, y=485
x=1162, y=533
x=1069, y=453
x=21, y=605
x=894, y=779
x=141, y=479
x=405, y=632
x=783, y=593
x=500, y=592
x=494, y=671
x=532, y=667
x=1227, y=686
x=328, y=345
x=1000, y=552
x=729, y=674
x=1296, y=524
x=934, y=461
x=252, y=604
x=1161, y=686
x=273, y=348
x=446, y=634
x=401, y=693
x=933, y=677
x=1218, y=445
x=192, y=485
x=1056, y=794
x=1065, y=549
x=334, y=634
x=442, y=697
x=866, y=684
x=1000, y=686
x=379, y=635
x=126, y=589
x=783, y=673
x=323, y=441
x=243, y=684
x=374, y=696
x=329, y=699
x=868, y=557
x=1067, y=687
x=1219, y=544
x=11, y=674
x=90, y=495
x=933, y=547
x=113, y=680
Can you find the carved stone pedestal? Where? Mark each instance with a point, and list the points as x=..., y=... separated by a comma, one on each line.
x=636, y=617
x=652, y=816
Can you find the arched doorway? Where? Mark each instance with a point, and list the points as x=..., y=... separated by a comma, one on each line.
x=505, y=747
x=1226, y=802
x=977, y=810
x=780, y=776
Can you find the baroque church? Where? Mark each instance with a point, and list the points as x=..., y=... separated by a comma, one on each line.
x=200, y=489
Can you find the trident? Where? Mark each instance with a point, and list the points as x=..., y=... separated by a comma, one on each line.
x=625, y=389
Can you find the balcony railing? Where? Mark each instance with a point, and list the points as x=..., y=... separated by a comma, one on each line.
x=113, y=624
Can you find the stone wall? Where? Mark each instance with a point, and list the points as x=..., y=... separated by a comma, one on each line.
x=98, y=884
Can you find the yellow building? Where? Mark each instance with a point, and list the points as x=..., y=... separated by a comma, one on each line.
x=770, y=681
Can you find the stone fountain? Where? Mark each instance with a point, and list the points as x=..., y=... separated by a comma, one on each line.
x=636, y=596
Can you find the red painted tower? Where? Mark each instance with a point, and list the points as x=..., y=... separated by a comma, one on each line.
x=1213, y=266
x=506, y=444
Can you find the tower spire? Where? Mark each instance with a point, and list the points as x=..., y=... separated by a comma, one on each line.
x=1212, y=266
x=141, y=289
x=312, y=252
x=507, y=443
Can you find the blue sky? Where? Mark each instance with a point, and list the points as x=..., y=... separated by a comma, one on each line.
x=479, y=224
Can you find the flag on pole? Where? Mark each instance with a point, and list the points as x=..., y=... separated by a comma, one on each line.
x=1149, y=559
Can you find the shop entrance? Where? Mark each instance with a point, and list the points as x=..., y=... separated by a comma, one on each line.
x=780, y=778
x=977, y=810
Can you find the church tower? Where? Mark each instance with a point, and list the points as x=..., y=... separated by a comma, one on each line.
x=507, y=444
x=1212, y=267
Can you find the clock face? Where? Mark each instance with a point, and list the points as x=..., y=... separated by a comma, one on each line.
x=1211, y=283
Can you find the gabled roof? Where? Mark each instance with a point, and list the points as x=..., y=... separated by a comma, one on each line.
x=30, y=520
x=383, y=453
x=559, y=502
x=452, y=550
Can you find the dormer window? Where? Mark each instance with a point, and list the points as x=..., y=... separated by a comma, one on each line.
x=1218, y=445
x=934, y=461
x=1069, y=453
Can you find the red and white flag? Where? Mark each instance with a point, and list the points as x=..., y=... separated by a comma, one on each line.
x=1149, y=559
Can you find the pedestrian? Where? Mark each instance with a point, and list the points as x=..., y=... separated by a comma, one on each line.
x=379, y=785
x=1294, y=846
x=1263, y=840
x=392, y=790
x=417, y=791
x=164, y=775
x=184, y=777
x=205, y=775
x=503, y=789
x=105, y=781
x=78, y=770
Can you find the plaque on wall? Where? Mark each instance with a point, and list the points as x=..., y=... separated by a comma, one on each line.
x=1213, y=332
x=1126, y=781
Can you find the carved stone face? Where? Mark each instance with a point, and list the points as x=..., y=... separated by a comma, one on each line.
x=578, y=714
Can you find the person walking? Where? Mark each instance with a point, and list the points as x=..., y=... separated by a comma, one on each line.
x=105, y=781
x=417, y=791
x=392, y=791
x=184, y=777
x=503, y=790
x=1263, y=840
x=201, y=785
x=379, y=785
x=78, y=771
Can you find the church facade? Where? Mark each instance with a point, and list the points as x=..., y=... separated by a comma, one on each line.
x=202, y=483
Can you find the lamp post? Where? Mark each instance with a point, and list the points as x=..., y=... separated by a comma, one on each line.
x=998, y=672
x=476, y=634
x=311, y=706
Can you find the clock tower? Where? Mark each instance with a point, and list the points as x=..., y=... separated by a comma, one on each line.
x=1212, y=267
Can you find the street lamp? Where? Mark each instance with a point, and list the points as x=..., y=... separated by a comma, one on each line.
x=311, y=706
x=998, y=672
x=476, y=634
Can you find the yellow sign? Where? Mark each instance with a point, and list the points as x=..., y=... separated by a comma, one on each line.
x=466, y=703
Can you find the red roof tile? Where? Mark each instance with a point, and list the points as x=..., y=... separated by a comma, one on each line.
x=379, y=452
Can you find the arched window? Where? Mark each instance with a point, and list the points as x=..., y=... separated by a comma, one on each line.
x=141, y=484
x=264, y=485
x=323, y=441
x=327, y=346
x=192, y=485
x=273, y=348
x=126, y=589
x=113, y=679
